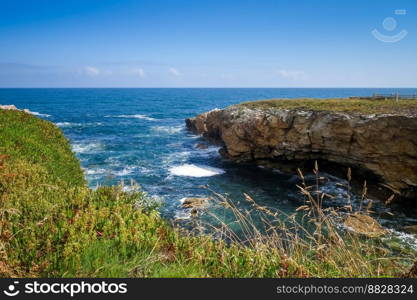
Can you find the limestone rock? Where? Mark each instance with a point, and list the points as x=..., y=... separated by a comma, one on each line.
x=8, y=107
x=384, y=145
x=194, y=203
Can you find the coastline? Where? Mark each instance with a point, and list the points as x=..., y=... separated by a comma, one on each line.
x=94, y=226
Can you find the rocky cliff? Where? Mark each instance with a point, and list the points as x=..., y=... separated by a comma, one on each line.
x=383, y=145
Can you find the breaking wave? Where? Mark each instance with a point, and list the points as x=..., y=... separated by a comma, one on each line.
x=135, y=116
x=190, y=170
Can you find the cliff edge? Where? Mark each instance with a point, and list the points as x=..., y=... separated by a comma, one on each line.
x=376, y=137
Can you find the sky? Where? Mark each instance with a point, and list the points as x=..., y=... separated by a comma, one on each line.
x=229, y=43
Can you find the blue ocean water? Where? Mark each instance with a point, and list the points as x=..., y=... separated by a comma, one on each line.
x=139, y=134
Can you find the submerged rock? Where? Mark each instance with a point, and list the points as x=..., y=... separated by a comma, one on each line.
x=194, y=203
x=410, y=229
x=201, y=146
x=381, y=145
x=364, y=225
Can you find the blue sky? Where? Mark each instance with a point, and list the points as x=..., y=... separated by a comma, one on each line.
x=263, y=43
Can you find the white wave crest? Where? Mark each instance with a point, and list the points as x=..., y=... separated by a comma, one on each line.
x=35, y=113
x=63, y=124
x=190, y=170
x=70, y=124
x=94, y=171
x=124, y=172
x=135, y=116
x=177, y=157
x=167, y=129
x=182, y=215
x=406, y=238
x=87, y=148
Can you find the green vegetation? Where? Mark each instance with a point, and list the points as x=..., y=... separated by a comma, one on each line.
x=53, y=225
x=40, y=143
x=341, y=104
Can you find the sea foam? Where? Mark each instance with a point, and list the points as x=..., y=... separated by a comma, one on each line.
x=124, y=172
x=182, y=215
x=87, y=148
x=70, y=124
x=406, y=238
x=136, y=116
x=167, y=129
x=35, y=113
x=94, y=171
x=190, y=170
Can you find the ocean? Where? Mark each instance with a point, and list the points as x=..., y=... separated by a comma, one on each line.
x=140, y=135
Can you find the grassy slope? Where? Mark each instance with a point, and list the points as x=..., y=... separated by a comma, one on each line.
x=342, y=105
x=51, y=224
x=23, y=136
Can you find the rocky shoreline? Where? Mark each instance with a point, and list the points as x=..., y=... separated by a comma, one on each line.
x=13, y=107
x=381, y=147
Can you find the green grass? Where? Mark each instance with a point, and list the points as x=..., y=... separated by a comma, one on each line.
x=53, y=225
x=340, y=105
x=23, y=136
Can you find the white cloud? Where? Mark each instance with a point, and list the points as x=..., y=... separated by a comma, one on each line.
x=292, y=74
x=91, y=71
x=174, y=72
x=139, y=72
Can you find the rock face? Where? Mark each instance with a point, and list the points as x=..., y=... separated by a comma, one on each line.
x=384, y=145
x=8, y=107
x=13, y=107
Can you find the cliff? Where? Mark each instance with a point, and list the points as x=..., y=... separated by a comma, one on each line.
x=344, y=132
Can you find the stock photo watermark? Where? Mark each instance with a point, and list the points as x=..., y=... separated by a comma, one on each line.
x=390, y=25
x=70, y=289
x=12, y=290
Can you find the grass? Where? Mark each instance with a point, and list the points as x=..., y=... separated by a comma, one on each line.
x=53, y=225
x=23, y=136
x=339, y=104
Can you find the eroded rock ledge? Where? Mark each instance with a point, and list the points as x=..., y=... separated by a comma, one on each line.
x=384, y=145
